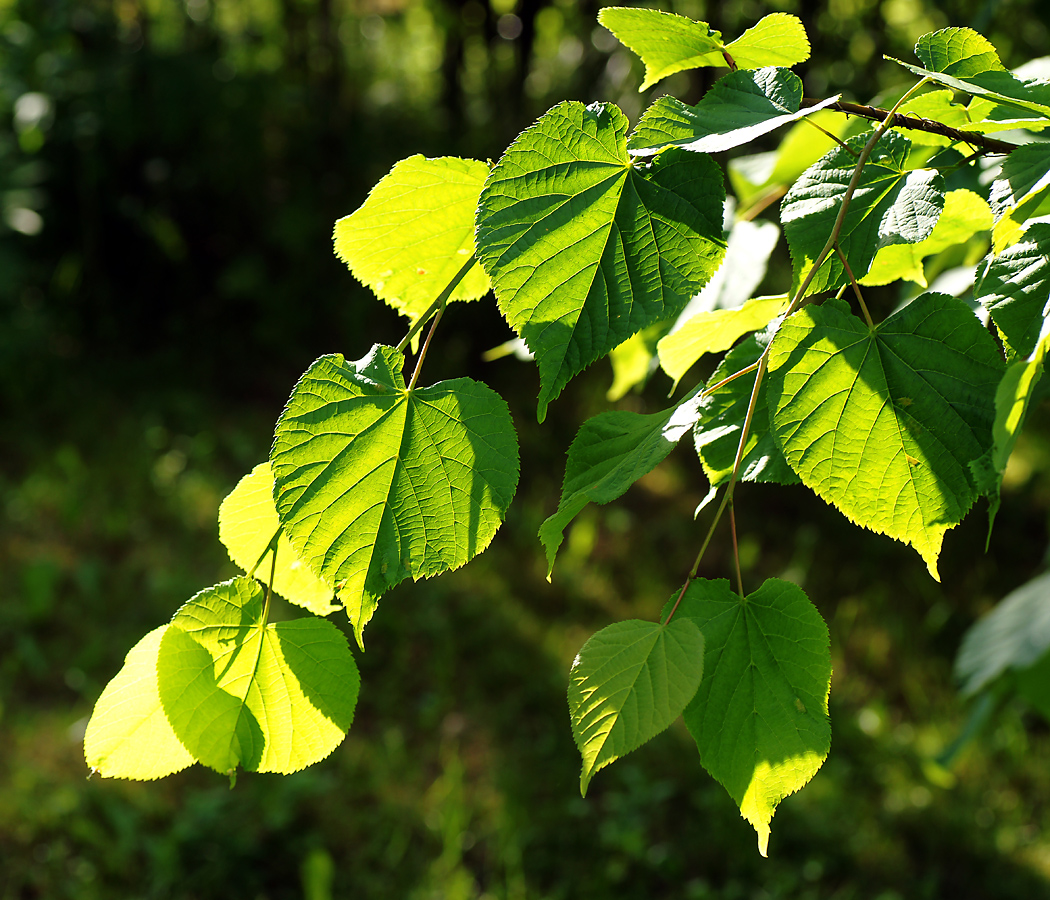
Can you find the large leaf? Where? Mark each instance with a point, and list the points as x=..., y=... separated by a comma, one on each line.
x=739, y=108
x=415, y=231
x=760, y=717
x=247, y=522
x=610, y=453
x=128, y=735
x=1015, y=289
x=629, y=682
x=891, y=205
x=375, y=483
x=883, y=422
x=1021, y=192
x=240, y=692
x=586, y=247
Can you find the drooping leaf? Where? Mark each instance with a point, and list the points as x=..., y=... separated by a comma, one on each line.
x=1015, y=289
x=1021, y=192
x=414, y=233
x=760, y=717
x=586, y=247
x=958, y=51
x=629, y=682
x=375, y=483
x=740, y=107
x=777, y=39
x=883, y=422
x=247, y=522
x=240, y=692
x=722, y=413
x=965, y=214
x=610, y=453
x=128, y=735
x=891, y=205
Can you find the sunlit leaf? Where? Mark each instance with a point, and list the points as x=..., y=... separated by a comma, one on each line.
x=958, y=51
x=1021, y=192
x=777, y=39
x=1015, y=289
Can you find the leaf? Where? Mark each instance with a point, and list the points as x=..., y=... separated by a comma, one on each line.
x=632, y=361
x=415, y=231
x=586, y=247
x=760, y=717
x=239, y=692
x=665, y=42
x=853, y=406
x=610, y=453
x=965, y=214
x=1022, y=192
x=375, y=483
x=958, y=51
x=629, y=682
x=778, y=39
x=712, y=332
x=740, y=107
x=128, y=735
x=1014, y=635
x=247, y=522
x=891, y=205
x=717, y=430
x=1015, y=289
x=938, y=106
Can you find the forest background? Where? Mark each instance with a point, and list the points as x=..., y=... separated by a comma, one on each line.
x=169, y=176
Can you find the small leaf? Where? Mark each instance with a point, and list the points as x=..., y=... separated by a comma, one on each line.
x=938, y=106
x=629, y=682
x=247, y=522
x=239, y=692
x=958, y=51
x=128, y=735
x=777, y=39
x=1022, y=192
x=415, y=231
x=760, y=717
x=632, y=361
x=837, y=397
x=1015, y=289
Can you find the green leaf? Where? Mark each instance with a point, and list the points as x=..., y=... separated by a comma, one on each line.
x=1022, y=191
x=712, y=332
x=375, y=483
x=239, y=692
x=958, y=51
x=610, y=453
x=666, y=43
x=740, y=107
x=717, y=431
x=586, y=247
x=1015, y=289
x=891, y=205
x=629, y=682
x=128, y=735
x=965, y=214
x=778, y=39
x=1014, y=635
x=415, y=231
x=632, y=361
x=883, y=422
x=938, y=106
x=247, y=522
x=760, y=717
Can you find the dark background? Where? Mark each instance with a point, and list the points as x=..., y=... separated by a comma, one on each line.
x=169, y=176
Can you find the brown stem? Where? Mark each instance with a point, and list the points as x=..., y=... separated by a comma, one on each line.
x=736, y=551
x=426, y=346
x=856, y=287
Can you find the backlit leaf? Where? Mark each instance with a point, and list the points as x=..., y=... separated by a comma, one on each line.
x=1021, y=192
x=1015, y=289
x=958, y=51
x=777, y=39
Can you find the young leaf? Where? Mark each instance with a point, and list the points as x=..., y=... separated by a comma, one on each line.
x=760, y=717
x=632, y=360
x=891, y=205
x=240, y=692
x=247, y=522
x=938, y=106
x=586, y=247
x=665, y=42
x=883, y=422
x=610, y=453
x=778, y=39
x=1023, y=191
x=1015, y=289
x=128, y=735
x=415, y=231
x=958, y=51
x=740, y=107
x=629, y=682
x=375, y=483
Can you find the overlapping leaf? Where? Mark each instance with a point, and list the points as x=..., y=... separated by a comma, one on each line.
x=247, y=523
x=891, y=205
x=415, y=231
x=375, y=483
x=760, y=717
x=629, y=682
x=1015, y=289
x=740, y=107
x=586, y=247
x=883, y=422
x=1021, y=192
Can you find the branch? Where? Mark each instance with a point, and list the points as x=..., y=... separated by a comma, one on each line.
x=985, y=144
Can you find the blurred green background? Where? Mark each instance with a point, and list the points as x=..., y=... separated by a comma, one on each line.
x=169, y=175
